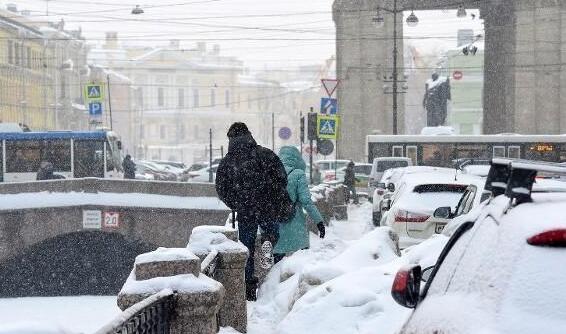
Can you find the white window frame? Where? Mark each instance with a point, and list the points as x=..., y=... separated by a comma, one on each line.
x=416, y=148
x=397, y=147
x=518, y=148
x=496, y=147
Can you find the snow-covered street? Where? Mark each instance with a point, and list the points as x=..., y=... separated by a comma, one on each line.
x=341, y=284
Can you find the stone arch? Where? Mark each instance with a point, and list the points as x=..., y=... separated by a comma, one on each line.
x=76, y=263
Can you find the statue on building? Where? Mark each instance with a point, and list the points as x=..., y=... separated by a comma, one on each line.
x=437, y=94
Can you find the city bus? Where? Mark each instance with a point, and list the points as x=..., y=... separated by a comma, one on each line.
x=446, y=150
x=74, y=154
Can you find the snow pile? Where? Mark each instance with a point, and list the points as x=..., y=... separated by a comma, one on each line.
x=339, y=285
x=181, y=283
x=437, y=130
x=162, y=254
x=33, y=328
x=205, y=239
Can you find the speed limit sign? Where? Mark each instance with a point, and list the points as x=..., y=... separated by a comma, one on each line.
x=111, y=219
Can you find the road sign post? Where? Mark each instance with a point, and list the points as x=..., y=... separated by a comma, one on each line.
x=327, y=127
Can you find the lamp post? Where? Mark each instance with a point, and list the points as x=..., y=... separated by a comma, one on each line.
x=379, y=20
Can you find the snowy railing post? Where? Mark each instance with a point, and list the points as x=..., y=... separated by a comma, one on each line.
x=197, y=298
x=230, y=270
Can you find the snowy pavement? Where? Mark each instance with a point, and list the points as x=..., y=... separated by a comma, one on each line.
x=340, y=285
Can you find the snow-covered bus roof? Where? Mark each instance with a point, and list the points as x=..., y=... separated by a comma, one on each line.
x=512, y=138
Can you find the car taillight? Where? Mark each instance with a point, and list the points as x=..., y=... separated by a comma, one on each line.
x=403, y=216
x=330, y=177
x=553, y=238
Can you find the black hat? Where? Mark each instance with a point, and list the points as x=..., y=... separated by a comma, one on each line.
x=238, y=129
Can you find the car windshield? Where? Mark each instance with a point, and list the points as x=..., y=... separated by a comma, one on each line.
x=388, y=164
x=428, y=197
x=362, y=169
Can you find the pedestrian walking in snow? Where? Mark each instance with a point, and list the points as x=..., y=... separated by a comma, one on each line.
x=350, y=181
x=129, y=167
x=251, y=181
x=293, y=233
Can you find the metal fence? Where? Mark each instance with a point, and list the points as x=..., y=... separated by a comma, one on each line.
x=150, y=316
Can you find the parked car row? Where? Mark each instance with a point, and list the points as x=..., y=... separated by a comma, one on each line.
x=174, y=171
x=503, y=261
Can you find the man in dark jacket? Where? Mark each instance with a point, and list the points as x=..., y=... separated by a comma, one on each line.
x=129, y=167
x=350, y=181
x=249, y=180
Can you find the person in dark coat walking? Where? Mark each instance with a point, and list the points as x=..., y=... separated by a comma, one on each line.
x=129, y=167
x=250, y=180
x=350, y=181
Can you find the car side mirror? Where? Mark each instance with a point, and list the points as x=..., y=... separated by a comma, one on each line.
x=444, y=212
x=406, y=287
x=391, y=187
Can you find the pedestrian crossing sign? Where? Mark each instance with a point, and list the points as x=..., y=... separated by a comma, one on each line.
x=327, y=126
x=94, y=92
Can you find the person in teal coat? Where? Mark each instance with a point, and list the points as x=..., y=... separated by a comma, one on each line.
x=294, y=234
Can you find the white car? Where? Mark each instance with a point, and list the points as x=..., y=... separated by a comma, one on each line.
x=390, y=181
x=381, y=165
x=424, y=203
x=203, y=175
x=500, y=272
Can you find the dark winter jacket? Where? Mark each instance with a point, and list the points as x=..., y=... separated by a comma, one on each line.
x=250, y=179
x=45, y=172
x=349, y=176
x=129, y=168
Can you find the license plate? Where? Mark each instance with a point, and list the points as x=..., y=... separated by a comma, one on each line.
x=439, y=228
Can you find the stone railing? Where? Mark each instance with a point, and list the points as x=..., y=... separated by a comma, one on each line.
x=201, y=304
x=330, y=201
x=95, y=185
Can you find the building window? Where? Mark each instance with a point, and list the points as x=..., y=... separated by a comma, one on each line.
x=160, y=97
x=162, y=131
x=212, y=97
x=227, y=98
x=17, y=54
x=28, y=57
x=181, y=97
x=10, y=52
x=196, y=102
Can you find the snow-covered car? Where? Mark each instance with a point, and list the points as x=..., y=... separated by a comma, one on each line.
x=158, y=172
x=178, y=168
x=381, y=165
x=424, y=203
x=390, y=181
x=361, y=171
x=203, y=175
x=327, y=168
x=500, y=271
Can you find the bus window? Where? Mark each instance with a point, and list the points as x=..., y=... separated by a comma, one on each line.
x=89, y=158
x=1, y=162
x=58, y=152
x=412, y=154
x=397, y=151
x=378, y=150
x=438, y=155
x=473, y=151
x=22, y=156
x=514, y=152
x=499, y=151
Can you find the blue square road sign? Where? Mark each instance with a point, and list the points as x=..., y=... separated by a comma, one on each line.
x=95, y=108
x=328, y=106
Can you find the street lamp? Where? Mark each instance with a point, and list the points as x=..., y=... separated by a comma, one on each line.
x=412, y=21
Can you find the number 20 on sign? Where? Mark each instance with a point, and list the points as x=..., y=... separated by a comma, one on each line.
x=111, y=219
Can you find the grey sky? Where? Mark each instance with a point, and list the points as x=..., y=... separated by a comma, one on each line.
x=261, y=32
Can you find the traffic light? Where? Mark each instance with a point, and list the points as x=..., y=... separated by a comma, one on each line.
x=311, y=133
x=302, y=129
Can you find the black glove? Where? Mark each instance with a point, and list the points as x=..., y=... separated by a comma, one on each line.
x=321, y=230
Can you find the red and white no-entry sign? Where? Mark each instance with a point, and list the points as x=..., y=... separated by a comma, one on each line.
x=457, y=75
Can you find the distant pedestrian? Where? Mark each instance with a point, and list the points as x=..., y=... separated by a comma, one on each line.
x=293, y=234
x=46, y=172
x=350, y=181
x=251, y=181
x=316, y=176
x=129, y=167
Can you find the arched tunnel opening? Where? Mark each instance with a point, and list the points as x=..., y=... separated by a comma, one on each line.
x=78, y=263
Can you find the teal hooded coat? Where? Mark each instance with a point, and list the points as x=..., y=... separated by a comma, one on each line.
x=294, y=235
